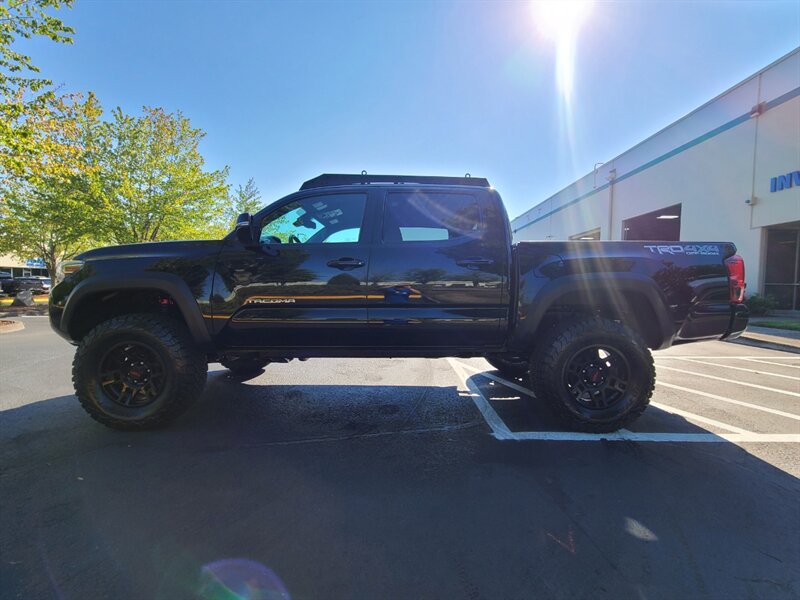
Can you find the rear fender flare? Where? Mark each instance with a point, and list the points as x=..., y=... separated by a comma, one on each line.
x=602, y=285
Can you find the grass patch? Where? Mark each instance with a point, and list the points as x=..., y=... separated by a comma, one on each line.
x=792, y=325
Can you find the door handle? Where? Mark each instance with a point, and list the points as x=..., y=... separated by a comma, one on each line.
x=475, y=262
x=346, y=263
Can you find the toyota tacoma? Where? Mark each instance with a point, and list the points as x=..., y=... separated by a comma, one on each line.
x=390, y=266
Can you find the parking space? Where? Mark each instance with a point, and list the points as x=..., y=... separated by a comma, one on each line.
x=728, y=397
x=405, y=478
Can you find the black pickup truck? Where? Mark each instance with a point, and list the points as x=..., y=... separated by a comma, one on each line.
x=389, y=266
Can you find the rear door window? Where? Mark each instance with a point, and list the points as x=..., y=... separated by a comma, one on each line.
x=429, y=217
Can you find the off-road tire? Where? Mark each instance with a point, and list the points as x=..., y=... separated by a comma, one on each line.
x=509, y=365
x=551, y=359
x=184, y=370
x=244, y=364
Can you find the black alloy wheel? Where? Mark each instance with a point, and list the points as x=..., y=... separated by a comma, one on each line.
x=597, y=376
x=595, y=373
x=132, y=374
x=138, y=371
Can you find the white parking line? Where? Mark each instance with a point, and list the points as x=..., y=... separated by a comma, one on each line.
x=502, y=432
x=766, y=362
x=738, y=383
x=505, y=382
x=661, y=355
x=664, y=407
x=499, y=429
x=713, y=364
x=730, y=400
x=700, y=419
x=630, y=436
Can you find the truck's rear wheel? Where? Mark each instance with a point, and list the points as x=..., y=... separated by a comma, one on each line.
x=596, y=374
x=137, y=371
x=509, y=365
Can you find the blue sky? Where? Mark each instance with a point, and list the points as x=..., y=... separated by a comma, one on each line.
x=288, y=90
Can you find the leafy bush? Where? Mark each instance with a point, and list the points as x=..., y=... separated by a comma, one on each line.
x=760, y=305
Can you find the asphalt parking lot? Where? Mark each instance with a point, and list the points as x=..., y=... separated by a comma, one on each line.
x=404, y=478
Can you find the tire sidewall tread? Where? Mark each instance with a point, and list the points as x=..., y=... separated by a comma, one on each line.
x=554, y=348
x=187, y=366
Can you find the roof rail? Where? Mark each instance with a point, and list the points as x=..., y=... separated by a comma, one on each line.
x=333, y=179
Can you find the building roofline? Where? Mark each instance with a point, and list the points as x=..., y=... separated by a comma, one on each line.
x=663, y=129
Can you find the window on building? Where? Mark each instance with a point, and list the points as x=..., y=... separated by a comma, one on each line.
x=782, y=269
x=659, y=225
x=592, y=234
x=425, y=217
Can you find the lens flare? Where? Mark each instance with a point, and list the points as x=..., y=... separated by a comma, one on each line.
x=240, y=579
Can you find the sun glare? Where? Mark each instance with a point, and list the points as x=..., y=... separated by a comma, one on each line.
x=560, y=21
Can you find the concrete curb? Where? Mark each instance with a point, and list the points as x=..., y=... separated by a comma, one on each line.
x=761, y=343
x=7, y=326
x=34, y=311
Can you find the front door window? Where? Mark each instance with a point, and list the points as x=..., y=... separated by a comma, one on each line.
x=335, y=218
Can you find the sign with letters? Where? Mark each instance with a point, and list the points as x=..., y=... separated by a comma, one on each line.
x=784, y=182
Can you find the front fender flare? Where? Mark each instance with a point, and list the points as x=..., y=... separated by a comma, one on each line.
x=172, y=285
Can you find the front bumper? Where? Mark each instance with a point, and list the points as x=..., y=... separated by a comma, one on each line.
x=55, y=313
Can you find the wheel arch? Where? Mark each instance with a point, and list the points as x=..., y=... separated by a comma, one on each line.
x=633, y=299
x=97, y=299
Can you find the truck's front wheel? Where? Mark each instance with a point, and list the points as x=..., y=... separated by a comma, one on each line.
x=138, y=371
x=596, y=374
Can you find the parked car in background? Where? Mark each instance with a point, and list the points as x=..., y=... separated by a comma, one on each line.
x=47, y=283
x=5, y=277
x=19, y=284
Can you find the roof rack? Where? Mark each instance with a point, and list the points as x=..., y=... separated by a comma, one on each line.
x=334, y=179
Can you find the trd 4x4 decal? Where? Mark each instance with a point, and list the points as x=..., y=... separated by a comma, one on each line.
x=688, y=250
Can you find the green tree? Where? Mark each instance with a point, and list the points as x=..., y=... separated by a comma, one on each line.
x=244, y=199
x=22, y=92
x=155, y=184
x=51, y=213
x=27, y=19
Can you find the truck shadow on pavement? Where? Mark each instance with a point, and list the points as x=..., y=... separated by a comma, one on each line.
x=380, y=492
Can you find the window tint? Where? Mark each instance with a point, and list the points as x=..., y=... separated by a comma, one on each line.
x=334, y=218
x=422, y=217
x=343, y=235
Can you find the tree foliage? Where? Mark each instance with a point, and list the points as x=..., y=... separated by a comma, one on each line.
x=27, y=19
x=49, y=208
x=23, y=94
x=244, y=199
x=155, y=185
x=69, y=179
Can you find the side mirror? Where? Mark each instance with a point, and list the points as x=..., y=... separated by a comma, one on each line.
x=244, y=230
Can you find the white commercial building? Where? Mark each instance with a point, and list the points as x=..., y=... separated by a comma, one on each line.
x=728, y=171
